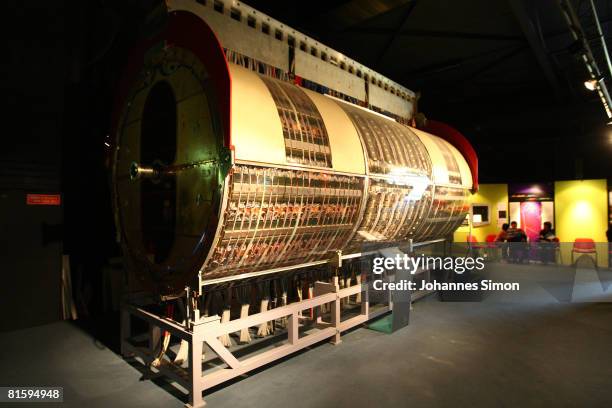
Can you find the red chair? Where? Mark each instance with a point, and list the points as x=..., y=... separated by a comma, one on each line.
x=584, y=246
x=492, y=246
x=491, y=241
x=473, y=242
x=474, y=246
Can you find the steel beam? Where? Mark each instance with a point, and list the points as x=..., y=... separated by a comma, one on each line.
x=535, y=42
x=573, y=22
x=437, y=34
x=396, y=32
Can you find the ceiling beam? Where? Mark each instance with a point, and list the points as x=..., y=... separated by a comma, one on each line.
x=567, y=31
x=473, y=77
x=493, y=64
x=446, y=65
x=437, y=34
x=374, y=17
x=395, y=33
x=522, y=15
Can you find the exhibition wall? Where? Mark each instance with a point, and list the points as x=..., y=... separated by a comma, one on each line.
x=496, y=197
x=580, y=211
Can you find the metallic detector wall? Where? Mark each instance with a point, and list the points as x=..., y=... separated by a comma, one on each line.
x=309, y=173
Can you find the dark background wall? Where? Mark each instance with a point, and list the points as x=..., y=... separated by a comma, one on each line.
x=57, y=86
x=33, y=89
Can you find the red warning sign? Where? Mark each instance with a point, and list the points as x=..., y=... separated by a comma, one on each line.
x=43, y=199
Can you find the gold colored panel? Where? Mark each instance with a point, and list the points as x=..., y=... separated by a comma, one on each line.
x=448, y=210
x=305, y=134
x=196, y=141
x=346, y=150
x=439, y=169
x=464, y=169
x=438, y=148
x=257, y=133
x=196, y=137
x=394, y=212
x=390, y=146
x=277, y=217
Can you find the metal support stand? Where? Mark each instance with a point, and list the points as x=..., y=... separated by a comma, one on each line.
x=201, y=334
x=205, y=331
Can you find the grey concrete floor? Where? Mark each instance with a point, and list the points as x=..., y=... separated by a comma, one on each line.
x=502, y=354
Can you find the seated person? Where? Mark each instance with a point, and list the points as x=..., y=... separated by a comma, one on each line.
x=515, y=234
x=503, y=237
x=503, y=234
x=547, y=234
x=546, y=238
x=516, y=237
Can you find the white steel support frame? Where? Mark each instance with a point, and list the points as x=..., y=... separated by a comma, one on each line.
x=197, y=331
x=209, y=329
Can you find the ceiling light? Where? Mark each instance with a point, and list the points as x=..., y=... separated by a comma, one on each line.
x=592, y=84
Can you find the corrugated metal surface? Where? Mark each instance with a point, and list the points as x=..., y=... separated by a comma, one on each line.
x=239, y=37
x=240, y=29
x=387, y=101
x=331, y=76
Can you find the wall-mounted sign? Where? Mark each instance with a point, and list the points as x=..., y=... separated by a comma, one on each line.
x=531, y=192
x=43, y=199
x=480, y=214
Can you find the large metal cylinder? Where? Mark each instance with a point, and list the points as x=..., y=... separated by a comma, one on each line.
x=221, y=170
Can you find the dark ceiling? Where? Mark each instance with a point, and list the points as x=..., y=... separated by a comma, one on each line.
x=499, y=70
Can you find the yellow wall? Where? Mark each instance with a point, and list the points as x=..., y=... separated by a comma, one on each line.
x=491, y=194
x=581, y=211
